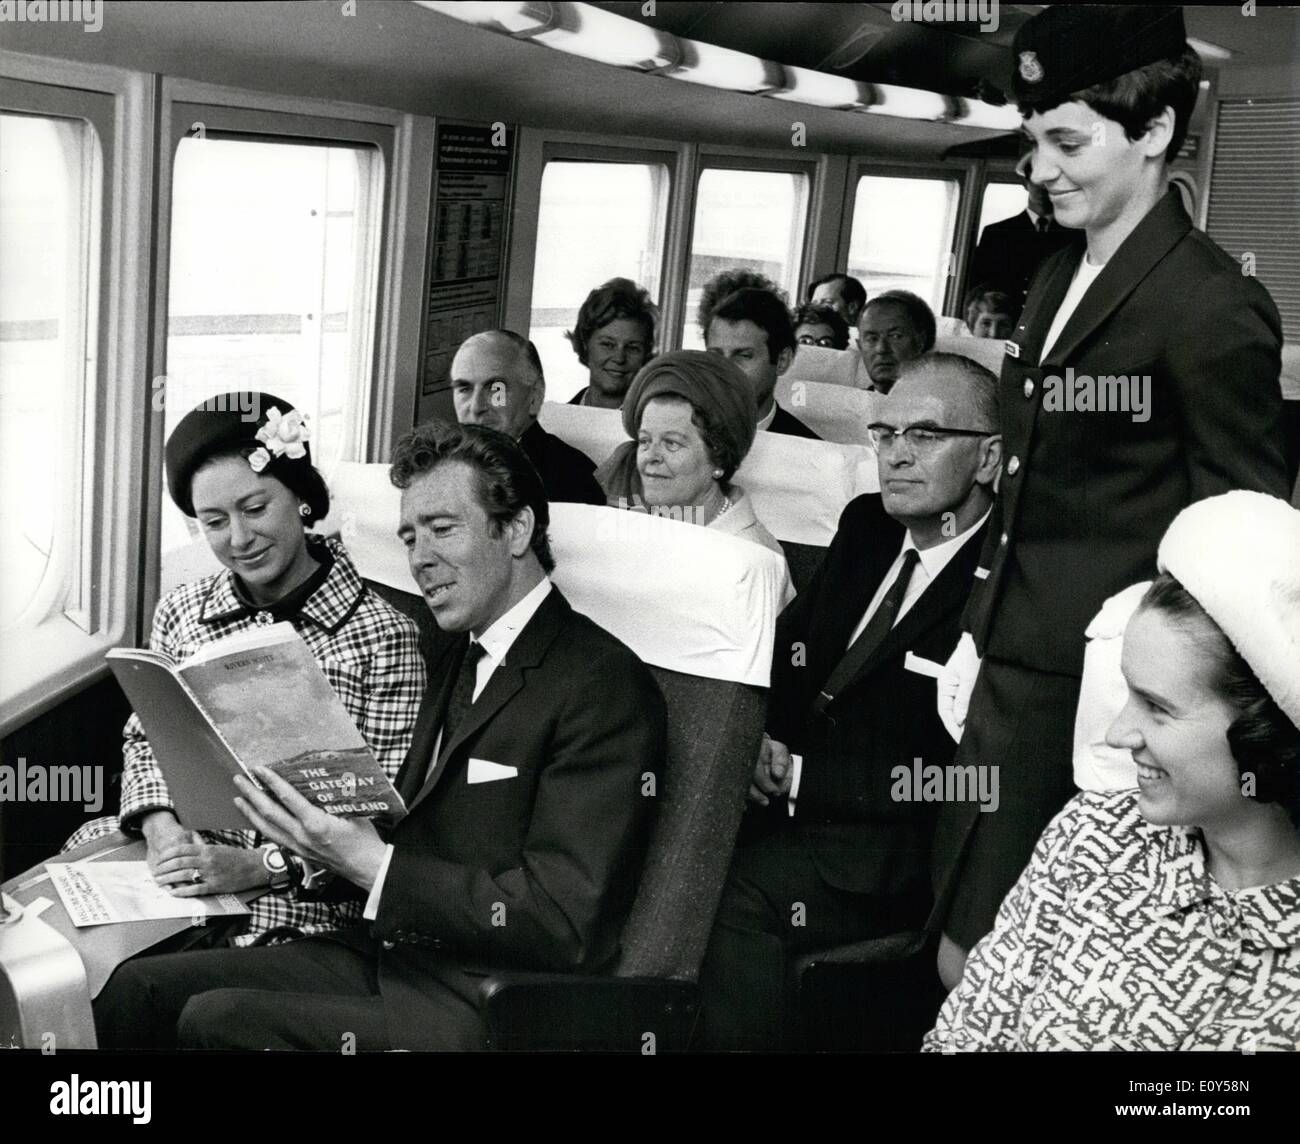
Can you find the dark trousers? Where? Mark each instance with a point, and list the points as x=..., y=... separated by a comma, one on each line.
x=320, y=993
x=776, y=907
x=1021, y=721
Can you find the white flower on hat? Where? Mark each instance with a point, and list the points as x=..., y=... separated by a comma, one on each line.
x=1238, y=554
x=258, y=459
x=1031, y=71
x=285, y=434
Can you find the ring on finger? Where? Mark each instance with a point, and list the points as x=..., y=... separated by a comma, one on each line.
x=195, y=878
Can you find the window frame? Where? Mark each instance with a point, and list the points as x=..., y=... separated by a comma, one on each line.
x=685, y=162
x=536, y=149
x=960, y=243
x=405, y=144
x=712, y=156
x=66, y=651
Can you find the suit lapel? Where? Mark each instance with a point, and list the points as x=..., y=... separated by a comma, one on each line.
x=950, y=588
x=526, y=652
x=1042, y=304
x=433, y=710
x=1151, y=240
x=847, y=598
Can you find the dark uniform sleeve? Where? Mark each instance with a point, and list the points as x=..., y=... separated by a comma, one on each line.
x=1225, y=361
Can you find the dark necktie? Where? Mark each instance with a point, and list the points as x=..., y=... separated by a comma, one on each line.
x=462, y=693
x=1042, y=224
x=462, y=698
x=878, y=627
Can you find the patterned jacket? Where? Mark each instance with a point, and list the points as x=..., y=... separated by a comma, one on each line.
x=1117, y=937
x=370, y=654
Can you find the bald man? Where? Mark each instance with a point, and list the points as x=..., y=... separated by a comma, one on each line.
x=497, y=381
x=841, y=851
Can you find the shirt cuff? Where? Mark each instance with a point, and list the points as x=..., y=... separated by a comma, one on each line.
x=372, y=903
x=796, y=771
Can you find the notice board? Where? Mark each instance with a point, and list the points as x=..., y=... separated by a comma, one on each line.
x=467, y=249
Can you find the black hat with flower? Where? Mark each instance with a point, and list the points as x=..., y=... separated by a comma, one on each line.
x=267, y=431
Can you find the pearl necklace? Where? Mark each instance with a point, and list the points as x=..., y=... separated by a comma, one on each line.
x=726, y=504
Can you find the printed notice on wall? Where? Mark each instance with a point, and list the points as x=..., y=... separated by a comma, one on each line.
x=467, y=243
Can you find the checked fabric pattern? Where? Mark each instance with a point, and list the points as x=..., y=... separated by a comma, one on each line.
x=1116, y=937
x=371, y=656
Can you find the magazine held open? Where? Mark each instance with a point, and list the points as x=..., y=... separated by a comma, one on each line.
x=258, y=698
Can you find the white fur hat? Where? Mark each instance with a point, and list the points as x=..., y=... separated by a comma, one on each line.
x=1238, y=554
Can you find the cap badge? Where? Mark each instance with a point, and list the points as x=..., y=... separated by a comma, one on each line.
x=1031, y=71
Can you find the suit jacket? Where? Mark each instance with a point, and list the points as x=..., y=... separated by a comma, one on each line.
x=787, y=423
x=535, y=871
x=859, y=836
x=567, y=473
x=1011, y=251
x=1087, y=495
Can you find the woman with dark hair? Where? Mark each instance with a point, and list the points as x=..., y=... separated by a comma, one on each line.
x=255, y=493
x=691, y=417
x=1168, y=917
x=1092, y=479
x=613, y=337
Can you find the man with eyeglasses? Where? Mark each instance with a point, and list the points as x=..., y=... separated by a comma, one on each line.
x=838, y=843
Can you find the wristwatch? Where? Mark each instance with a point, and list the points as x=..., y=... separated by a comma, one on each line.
x=283, y=873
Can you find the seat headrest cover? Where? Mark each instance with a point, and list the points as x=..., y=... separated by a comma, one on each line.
x=989, y=352
x=830, y=367
x=836, y=413
x=684, y=598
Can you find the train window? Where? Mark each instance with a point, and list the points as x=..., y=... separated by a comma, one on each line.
x=1001, y=201
x=49, y=280
x=902, y=233
x=596, y=221
x=273, y=284
x=753, y=220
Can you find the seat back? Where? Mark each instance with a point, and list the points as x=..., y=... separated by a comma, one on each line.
x=827, y=366
x=699, y=607
x=989, y=352
x=837, y=413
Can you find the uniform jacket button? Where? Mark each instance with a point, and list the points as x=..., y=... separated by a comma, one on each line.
x=1005, y=538
x=1029, y=387
x=1013, y=466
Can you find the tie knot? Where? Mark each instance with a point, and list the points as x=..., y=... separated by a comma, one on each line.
x=473, y=653
x=910, y=557
x=1042, y=225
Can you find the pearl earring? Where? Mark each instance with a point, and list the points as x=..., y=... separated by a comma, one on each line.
x=304, y=510
x=717, y=474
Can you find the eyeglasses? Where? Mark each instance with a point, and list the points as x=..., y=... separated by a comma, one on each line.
x=826, y=342
x=919, y=437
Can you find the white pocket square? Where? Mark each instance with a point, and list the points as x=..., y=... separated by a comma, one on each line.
x=912, y=662
x=483, y=771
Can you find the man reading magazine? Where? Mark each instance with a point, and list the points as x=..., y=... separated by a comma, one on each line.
x=526, y=821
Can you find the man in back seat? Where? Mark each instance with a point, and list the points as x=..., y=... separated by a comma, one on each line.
x=526, y=789
x=842, y=852
x=497, y=381
x=752, y=329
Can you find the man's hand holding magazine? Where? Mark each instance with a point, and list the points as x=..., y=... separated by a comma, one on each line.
x=350, y=847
